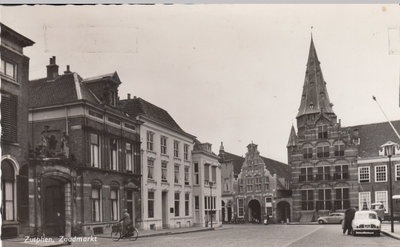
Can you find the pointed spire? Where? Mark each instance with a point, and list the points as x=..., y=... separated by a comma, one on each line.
x=292, y=138
x=315, y=97
x=221, y=148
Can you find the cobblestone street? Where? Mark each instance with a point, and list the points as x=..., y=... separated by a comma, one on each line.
x=252, y=235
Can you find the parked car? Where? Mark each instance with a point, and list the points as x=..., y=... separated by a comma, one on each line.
x=366, y=221
x=332, y=218
x=379, y=209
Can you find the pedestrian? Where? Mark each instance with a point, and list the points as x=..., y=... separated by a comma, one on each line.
x=348, y=219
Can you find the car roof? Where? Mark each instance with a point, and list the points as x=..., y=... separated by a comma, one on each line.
x=366, y=212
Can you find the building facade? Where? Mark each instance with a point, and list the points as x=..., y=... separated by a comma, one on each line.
x=322, y=154
x=84, y=167
x=261, y=188
x=206, y=186
x=14, y=76
x=167, y=167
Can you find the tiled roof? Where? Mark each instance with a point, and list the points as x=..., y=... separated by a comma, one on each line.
x=138, y=106
x=273, y=166
x=374, y=135
x=61, y=90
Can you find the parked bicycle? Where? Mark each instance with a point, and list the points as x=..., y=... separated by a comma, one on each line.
x=117, y=233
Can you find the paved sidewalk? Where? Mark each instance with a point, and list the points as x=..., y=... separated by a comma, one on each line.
x=386, y=229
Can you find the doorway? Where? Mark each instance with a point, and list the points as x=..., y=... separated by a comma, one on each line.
x=283, y=211
x=53, y=207
x=254, y=211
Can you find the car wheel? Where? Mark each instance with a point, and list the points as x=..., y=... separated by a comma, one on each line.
x=354, y=233
x=341, y=222
x=377, y=233
x=321, y=222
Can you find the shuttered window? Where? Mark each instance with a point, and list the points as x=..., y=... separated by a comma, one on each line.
x=9, y=117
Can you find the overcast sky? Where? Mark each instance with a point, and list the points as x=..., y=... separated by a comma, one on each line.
x=231, y=73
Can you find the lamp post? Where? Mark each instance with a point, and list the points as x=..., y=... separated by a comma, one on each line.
x=389, y=148
x=211, y=212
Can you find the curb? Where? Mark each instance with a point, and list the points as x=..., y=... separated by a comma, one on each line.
x=168, y=233
x=391, y=235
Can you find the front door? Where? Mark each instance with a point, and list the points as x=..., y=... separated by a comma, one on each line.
x=53, y=208
x=165, y=209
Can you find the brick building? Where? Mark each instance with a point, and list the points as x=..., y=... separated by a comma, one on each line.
x=322, y=154
x=206, y=186
x=260, y=188
x=166, y=165
x=84, y=155
x=14, y=76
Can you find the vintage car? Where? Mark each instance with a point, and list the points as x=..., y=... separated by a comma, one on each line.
x=332, y=218
x=379, y=209
x=366, y=221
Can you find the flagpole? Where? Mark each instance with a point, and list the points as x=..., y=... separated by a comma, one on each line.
x=398, y=136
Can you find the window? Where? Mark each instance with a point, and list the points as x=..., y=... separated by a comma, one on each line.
x=363, y=174
x=214, y=174
x=196, y=202
x=114, y=120
x=364, y=200
x=163, y=145
x=150, y=136
x=380, y=173
x=258, y=184
x=382, y=196
x=114, y=204
x=307, y=200
x=341, y=172
x=150, y=168
x=96, y=207
x=324, y=199
x=114, y=154
x=307, y=153
x=9, y=69
x=186, y=152
x=339, y=150
x=130, y=126
x=269, y=211
x=249, y=188
x=323, y=152
x=324, y=173
x=241, y=189
x=187, y=204
x=130, y=203
x=128, y=157
x=176, y=172
x=323, y=132
x=176, y=149
x=397, y=176
x=306, y=174
x=94, y=150
x=177, y=197
x=196, y=173
x=8, y=189
x=9, y=119
x=150, y=204
x=240, y=207
x=164, y=171
x=186, y=175
x=342, y=199
x=206, y=174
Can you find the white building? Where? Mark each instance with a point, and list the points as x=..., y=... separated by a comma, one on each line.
x=206, y=186
x=166, y=167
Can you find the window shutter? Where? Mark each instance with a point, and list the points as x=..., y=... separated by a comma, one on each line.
x=9, y=117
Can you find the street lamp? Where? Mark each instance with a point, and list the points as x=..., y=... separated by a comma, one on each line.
x=390, y=148
x=211, y=212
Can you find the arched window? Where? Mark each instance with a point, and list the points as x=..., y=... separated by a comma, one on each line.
x=8, y=188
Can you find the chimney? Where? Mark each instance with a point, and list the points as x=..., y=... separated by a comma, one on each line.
x=52, y=69
x=68, y=71
x=129, y=96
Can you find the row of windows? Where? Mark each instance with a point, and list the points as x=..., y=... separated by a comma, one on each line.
x=207, y=178
x=324, y=173
x=381, y=175
x=177, y=196
x=164, y=147
x=132, y=154
x=323, y=151
x=364, y=199
x=111, y=119
x=325, y=200
x=164, y=172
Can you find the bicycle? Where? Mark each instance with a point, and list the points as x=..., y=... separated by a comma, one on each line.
x=116, y=233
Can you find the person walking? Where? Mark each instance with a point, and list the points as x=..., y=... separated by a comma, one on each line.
x=348, y=219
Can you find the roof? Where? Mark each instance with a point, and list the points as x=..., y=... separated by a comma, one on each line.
x=374, y=135
x=315, y=97
x=65, y=88
x=292, y=138
x=273, y=166
x=140, y=107
x=15, y=36
x=111, y=76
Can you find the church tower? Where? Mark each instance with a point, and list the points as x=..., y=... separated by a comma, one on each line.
x=321, y=153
